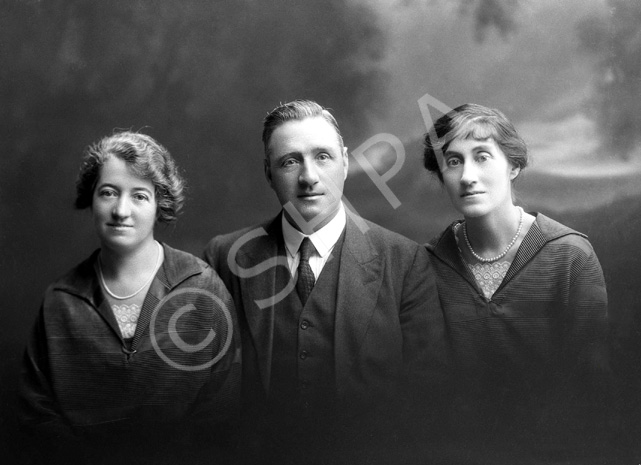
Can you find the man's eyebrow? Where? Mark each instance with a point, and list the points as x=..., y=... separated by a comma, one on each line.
x=298, y=153
x=322, y=148
x=293, y=153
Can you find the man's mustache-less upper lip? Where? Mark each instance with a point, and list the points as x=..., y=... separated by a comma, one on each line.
x=120, y=225
x=310, y=194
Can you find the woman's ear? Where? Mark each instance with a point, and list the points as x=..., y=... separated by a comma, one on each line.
x=514, y=172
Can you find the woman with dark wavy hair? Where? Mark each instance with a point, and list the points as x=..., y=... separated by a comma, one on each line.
x=135, y=352
x=524, y=301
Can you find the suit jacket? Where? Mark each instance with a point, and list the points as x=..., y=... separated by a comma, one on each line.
x=389, y=326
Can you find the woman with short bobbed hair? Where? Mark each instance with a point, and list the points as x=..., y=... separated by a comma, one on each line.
x=146, y=158
x=524, y=301
x=139, y=340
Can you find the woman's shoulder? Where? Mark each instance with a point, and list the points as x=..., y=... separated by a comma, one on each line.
x=443, y=238
x=557, y=233
x=180, y=266
x=182, y=259
x=79, y=277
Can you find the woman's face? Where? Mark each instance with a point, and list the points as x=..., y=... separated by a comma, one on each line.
x=478, y=176
x=124, y=207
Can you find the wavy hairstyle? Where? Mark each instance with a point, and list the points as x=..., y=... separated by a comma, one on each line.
x=146, y=158
x=472, y=121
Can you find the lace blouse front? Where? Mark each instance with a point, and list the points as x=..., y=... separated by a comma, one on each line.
x=488, y=276
x=127, y=318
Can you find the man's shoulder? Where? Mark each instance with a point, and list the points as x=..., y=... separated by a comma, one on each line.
x=380, y=235
x=227, y=240
x=364, y=234
x=220, y=245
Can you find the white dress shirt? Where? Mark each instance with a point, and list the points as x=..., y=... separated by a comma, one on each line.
x=324, y=241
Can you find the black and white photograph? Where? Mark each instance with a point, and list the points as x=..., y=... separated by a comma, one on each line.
x=343, y=232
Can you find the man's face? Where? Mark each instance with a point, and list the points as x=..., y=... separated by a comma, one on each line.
x=307, y=167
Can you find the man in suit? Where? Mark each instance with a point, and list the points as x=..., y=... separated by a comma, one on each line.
x=337, y=314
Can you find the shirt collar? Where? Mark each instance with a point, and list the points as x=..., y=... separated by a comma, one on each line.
x=324, y=239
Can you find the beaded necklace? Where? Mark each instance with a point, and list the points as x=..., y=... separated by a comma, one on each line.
x=151, y=277
x=502, y=254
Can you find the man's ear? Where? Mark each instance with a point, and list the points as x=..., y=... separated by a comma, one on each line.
x=268, y=170
x=345, y=162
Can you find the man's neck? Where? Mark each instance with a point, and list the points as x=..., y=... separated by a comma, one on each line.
x=310, y=227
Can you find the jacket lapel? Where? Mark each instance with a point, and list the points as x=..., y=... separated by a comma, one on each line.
x=261, y=259
x=359, y=283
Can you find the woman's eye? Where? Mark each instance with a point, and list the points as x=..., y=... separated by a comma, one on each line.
x=453, y=162
x=107, y=193
x=141, y=197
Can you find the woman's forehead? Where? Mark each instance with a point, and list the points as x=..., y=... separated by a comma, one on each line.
x=471, y=129
x=472, y=143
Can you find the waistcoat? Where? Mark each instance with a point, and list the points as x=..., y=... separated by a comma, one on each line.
x=303, y=349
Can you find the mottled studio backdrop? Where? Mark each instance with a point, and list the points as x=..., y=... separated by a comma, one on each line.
x=200, y=75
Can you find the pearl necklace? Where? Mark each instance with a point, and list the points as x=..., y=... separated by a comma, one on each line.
x=502, y=254
x=104, y=284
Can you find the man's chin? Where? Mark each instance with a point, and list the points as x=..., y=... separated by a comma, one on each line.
x=308, y=220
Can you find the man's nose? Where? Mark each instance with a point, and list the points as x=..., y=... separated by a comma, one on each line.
x=308, y=174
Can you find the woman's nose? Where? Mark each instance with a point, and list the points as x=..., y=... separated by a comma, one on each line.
x=469, y=174
x=122, y=208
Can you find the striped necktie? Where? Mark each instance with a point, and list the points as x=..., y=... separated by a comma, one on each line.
x=305, y=281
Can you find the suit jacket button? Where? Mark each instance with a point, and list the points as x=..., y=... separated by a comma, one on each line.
x=303, y=355
x=304, y=324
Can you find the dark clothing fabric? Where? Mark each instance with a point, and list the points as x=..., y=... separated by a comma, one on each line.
x=530, y=363
x=284, y=369
x=81, y=382
x=317, y=379
x=388, y=331
x=303, y=354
